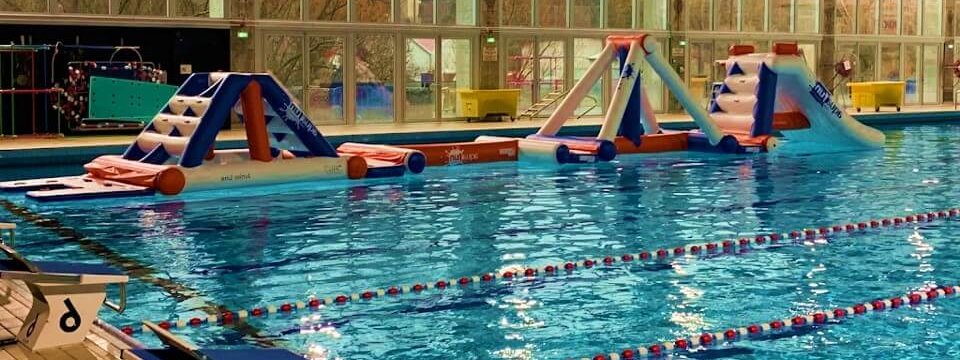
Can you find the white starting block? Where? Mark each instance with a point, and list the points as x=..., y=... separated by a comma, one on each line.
x=179, y=349
x=66, y=298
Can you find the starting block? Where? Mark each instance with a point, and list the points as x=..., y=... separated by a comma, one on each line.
x=66, y=298
x=179, y=349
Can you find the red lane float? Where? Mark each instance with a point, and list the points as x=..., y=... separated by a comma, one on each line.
x=778, y=326
x=725, y=247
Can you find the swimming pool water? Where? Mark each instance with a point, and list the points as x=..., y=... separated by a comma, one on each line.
x=253, y=247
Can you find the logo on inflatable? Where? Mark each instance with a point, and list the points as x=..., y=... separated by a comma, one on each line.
x=457, y=156
x=293, y=115
x=822, y=96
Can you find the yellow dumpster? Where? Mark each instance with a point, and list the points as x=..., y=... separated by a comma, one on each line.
x=874, y=94
x=481, y=104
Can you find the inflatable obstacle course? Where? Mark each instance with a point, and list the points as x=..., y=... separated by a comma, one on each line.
x=175, y=151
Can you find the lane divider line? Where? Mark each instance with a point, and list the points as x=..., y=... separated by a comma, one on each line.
x=130, y=266
x=724, y=247
x=755, y=331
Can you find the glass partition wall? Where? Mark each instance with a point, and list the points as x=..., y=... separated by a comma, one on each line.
x=390, y=61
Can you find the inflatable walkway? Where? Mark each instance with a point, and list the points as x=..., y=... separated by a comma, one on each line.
x=175, y=152
x=768, y=92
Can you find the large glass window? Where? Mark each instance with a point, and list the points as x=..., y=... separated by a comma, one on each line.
x=241, y=9
x=552, y=56
x=373, y=67
x=419, y=79
x=619, y=14
x=911, y=17
x=846, y=52
x=552, y=13
x=456, y=12
x=373, y=11
x=325, y=79
x=516, y=13
x=520, y=67
x=24, y=6
x=911, y=72
x=753, y=13
x=725, y=14
x=653, y=14
x=931, y=74
x=81, y=6
x=932, y=17
x=889, y=17
x=808, y=16
x=846, y=16
x=781, y=13
x=809, y=53
x=867, y=17
x=585, y=14
x=890, y=62
x=416, y=11
x=457, y=58
x=198, y=8
x=701, y=69
x=279, y=9
x=585, y=51
x=866, y=62
x=652, y=84
x=697, y=14
x=328, y=10
x=284, y=58
x=140, y=7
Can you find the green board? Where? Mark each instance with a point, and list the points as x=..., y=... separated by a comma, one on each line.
x=121, y=100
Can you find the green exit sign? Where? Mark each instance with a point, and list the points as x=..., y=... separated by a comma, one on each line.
x=243, y=34
x=491, y=39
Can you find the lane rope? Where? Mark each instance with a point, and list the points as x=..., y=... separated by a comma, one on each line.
x=754, y=331
x=721, y=248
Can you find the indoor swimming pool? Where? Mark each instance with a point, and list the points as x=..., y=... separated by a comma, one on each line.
x=255, y=248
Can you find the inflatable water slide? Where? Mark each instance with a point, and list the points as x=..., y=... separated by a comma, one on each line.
x=776, y=91
x=762, y=94
x=175, y=151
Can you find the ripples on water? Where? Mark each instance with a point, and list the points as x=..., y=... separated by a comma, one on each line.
x=266, y=246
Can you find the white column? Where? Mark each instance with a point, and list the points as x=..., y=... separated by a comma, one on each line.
x=629, y=73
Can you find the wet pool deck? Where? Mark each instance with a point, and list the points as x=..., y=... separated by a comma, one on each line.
x=15, y=302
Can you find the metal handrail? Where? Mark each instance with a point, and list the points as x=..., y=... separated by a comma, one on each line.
x=596, y=103
x=118, y=308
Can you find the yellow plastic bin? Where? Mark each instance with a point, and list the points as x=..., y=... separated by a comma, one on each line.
x=874, y=94
x=482, y=104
